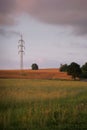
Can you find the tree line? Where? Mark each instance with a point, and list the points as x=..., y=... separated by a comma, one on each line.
x=72, y=69
x=75, y=70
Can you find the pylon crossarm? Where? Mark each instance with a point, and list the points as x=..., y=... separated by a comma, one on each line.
x=21, y=52
x=21, y=46
x=21, y=41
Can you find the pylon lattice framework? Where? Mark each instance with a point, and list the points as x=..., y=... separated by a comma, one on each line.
x=21, y=48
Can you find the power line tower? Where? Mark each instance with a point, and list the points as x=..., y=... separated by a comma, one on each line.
x=21, y=51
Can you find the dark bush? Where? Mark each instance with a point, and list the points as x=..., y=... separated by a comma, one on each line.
x=34, y=66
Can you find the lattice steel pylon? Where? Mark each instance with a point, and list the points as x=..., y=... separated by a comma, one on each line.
x=21, y=48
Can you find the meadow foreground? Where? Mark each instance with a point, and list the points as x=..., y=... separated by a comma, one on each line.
x=43, y=105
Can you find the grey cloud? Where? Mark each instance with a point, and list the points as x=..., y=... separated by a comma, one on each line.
x=7, y=6
x=8, y=33
x=7, y=10
x=6, y=20
x=2, y=32
x=61, y=12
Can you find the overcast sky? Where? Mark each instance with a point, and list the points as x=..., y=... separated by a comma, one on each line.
x=54, y=31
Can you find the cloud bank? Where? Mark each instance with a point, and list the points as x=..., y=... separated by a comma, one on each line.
x=8, y=33
x=58, y=12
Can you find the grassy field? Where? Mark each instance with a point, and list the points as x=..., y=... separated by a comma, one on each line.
x=43, y=105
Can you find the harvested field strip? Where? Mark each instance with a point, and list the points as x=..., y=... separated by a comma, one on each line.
x=34, y=74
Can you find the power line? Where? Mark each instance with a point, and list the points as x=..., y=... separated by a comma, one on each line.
x=21, y=48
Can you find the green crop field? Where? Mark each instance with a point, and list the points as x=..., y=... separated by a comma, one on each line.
x=43, y=105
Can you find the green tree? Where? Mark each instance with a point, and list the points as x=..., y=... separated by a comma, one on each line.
x=74, y=70
x=84, y=70
x=84, y=67
x=63, y=68
x=34, y=66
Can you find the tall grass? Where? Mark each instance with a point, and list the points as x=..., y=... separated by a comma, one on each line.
x=43, y=105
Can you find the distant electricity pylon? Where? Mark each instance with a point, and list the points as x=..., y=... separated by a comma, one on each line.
x=21, y=51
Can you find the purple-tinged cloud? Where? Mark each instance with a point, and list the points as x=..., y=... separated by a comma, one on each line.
x=7, y=6
x=61, y=12
x=7, y=11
